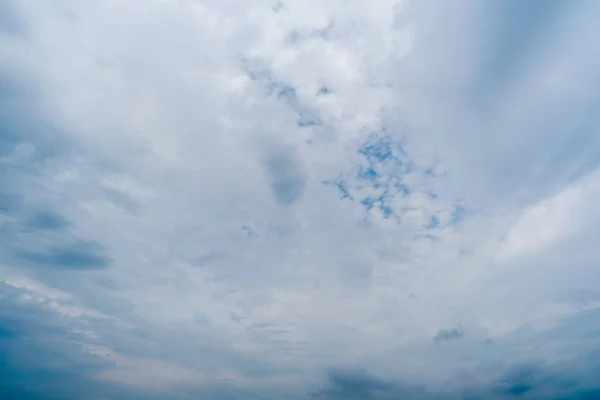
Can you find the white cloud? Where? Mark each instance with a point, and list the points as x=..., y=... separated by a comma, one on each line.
x=56, y=300
x=275, y=189
x=572, y=211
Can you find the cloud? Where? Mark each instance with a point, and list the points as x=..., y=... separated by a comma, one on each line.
x=36, y=347
x=232, y=200
x=531, y=380
x=76, y=256
x=447, y=334
x=286, y=177
x=47, y=220
x=10, y=22
x=357, y=384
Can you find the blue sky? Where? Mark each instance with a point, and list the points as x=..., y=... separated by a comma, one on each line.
x=299, y=199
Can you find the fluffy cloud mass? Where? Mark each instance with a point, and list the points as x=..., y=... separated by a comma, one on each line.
x=299, y=199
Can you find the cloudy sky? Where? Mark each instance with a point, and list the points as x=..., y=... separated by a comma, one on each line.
x=299, y=199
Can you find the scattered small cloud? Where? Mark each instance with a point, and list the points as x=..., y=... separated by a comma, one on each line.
x=445, y=335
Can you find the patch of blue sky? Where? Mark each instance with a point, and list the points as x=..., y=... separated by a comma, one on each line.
x=378, y=178
x=458, y=214
x=384, y=180
x=382, y=208
x=383, y=170
x=305, y=121
x=434, y=222
x=306, y=115
x=377, y=149
x=342, y=187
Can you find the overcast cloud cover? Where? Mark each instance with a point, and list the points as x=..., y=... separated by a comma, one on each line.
x=299, y=199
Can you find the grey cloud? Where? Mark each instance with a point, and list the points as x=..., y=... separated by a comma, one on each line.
x=536, y=381
x=42, y=359
x=360, y=385
x=577, y=380
x=286, y=176
x=519, y=380
x=38, y=359
x=448, y=334
x=47, y=220
x=505, y=46
x=513, y=29
x=18, y=125
x=122, y=200
x=207, y=258
x=357, y=274
x=80, y=255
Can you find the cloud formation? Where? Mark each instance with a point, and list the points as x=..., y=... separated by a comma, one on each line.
x=447, y=334
x=369, y=200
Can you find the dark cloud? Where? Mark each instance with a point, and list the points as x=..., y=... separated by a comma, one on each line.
x=38, y=356
x=360, y=385
x=285, y=174
x=357, y=383
x=578, y=379
x=591, y=394
x=42, y=358
x=538, y=380
x=47, y=220
x=448, y=334
x=519, y=380
x=80, y=255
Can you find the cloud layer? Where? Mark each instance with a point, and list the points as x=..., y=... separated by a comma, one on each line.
x=340, y=200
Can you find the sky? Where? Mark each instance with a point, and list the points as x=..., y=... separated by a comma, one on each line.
x=299, y=199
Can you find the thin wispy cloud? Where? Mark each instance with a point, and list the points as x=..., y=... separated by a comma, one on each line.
x=299, y=199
